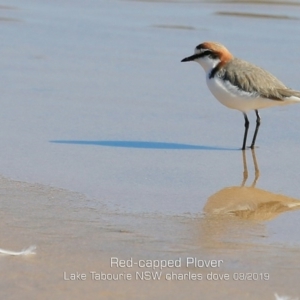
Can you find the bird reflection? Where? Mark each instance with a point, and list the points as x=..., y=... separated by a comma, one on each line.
x=249, y=202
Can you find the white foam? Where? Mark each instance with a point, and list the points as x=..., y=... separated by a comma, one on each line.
x=28, y=251
x=277, y=297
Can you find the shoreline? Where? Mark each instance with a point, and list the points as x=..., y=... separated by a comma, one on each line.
x=80, y=252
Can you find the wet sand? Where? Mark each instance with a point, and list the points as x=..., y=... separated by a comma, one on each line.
x=113, y=148
x=72, y=238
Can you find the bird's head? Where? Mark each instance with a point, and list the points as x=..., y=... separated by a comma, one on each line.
x=209, y=55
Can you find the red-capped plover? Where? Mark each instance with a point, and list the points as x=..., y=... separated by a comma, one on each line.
x=239, y=84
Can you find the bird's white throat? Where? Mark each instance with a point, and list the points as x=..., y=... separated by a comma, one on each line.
x=208, y=63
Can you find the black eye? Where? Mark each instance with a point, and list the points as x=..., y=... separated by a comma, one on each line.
x=213, y=55
x=207, y=53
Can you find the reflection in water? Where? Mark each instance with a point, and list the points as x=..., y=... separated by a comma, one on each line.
x=249, y=202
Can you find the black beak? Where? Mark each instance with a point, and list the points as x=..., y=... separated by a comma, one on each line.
x=190, y=58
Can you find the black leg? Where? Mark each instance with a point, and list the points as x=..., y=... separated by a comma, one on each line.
x=246, y=131
x=256, y=129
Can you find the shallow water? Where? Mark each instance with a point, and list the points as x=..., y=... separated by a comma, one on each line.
x=73, y=238
x=126, y=153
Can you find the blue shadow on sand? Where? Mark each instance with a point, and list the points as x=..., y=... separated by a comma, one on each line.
x=142, y=145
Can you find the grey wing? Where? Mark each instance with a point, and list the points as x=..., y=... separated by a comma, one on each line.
x=285, y=93
x=256, y=80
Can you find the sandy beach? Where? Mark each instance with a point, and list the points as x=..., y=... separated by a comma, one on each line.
x=124, y=171
x=77, y=244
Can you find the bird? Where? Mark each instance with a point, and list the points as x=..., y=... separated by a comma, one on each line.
x=239, y=84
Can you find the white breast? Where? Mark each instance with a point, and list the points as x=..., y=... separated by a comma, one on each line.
x=232, y=97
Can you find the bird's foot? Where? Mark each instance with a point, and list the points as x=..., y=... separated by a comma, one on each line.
x=249, y=147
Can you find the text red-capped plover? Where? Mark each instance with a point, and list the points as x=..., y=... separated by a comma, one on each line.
x=239, y=84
